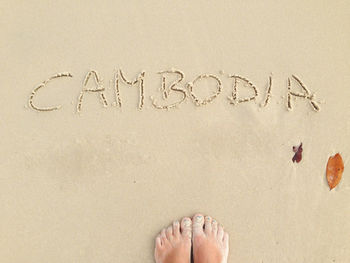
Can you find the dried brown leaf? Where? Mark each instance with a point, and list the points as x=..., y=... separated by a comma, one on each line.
x=334, y=172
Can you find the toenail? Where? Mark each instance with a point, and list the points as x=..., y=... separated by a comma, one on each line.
x=199, y=218
x=207, y=218
x=176, y=223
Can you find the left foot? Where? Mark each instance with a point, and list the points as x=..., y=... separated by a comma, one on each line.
x=173, y=244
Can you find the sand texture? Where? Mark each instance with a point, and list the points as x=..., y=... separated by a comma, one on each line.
x=118, y=117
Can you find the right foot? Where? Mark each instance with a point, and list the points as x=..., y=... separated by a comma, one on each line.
x=210, y=242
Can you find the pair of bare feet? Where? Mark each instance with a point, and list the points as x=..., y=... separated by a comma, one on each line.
x=207, y=239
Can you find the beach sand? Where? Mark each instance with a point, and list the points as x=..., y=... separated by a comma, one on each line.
x=98, y=186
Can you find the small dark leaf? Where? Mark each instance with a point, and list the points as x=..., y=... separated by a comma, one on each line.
x=298, y=153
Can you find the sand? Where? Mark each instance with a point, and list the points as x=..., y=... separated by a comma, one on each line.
x=97, y=186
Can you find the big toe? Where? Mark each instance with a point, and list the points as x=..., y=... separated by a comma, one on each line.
x=198, y=222
x=186, y=227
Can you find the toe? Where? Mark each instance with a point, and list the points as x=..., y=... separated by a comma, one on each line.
x=169, y=232
x=198, y=221
x=163, y=237
x=207, y=225
x=176, y=228
x=226, y=240
x=220, y=233
x=158, y=242
x=214, y=227
x=186, y=227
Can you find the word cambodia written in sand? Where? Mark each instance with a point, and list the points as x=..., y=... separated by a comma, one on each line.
x=185, y=90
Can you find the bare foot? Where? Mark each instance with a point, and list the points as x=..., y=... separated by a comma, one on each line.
x=173, y=244
x=210, y=242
